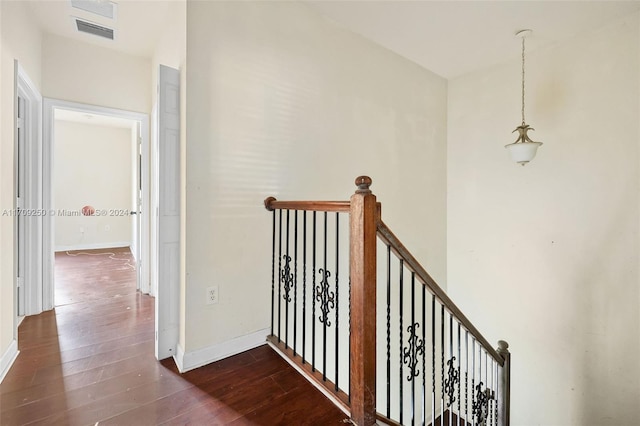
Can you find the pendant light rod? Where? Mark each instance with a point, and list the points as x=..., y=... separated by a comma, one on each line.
x=523, y=34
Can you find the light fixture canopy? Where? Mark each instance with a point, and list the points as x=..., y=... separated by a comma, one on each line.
x=523, y=149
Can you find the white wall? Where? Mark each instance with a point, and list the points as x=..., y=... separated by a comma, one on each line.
x=92, y=166
x=94, y=75
x=282, y=102
x=546, y=256
x=20, y=40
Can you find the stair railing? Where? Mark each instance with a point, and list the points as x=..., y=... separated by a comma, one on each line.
x=458, y=379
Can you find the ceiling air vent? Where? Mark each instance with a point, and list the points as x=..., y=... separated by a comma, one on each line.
x=95, y=29
x=99, y=7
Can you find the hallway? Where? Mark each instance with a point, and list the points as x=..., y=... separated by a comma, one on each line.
x=91, y=361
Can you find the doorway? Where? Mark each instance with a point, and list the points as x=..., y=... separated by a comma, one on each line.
x=97, y=198
x=83, y=225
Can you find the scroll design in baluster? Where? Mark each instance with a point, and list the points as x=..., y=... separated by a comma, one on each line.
x=286, y=277
x=411, y=352
x=480, y=404
x=325, y=297
x=453, y=378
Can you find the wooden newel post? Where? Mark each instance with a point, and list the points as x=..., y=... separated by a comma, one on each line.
x=504, y=387
x=363, y=222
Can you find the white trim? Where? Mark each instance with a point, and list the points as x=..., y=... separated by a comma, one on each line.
x=179, y=358
x=94, y=246
x=31, y=238
x=303, y=373
x=8, y=358
x=47, y=166
x=190, y=360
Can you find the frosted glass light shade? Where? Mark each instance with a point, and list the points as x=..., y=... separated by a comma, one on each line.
x=523, y=152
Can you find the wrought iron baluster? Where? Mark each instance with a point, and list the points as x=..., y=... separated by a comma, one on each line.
x=273, y=267
x=313, y=298
x=295, y=281
x=388, y=332
x=495, y=383
x=451, y=376
x=304, y=285
x=337, y=293
x=287, y=279
x=279, y=274
x=493, y=387
x=466, y=376
x=442, y=404
x=401, y=343
x=459, y=365
x=473, y=375
x=414, y=349
x=424, y=356
x=433, y=359
x=325, y=287
x=416, y=343
x=486, y=380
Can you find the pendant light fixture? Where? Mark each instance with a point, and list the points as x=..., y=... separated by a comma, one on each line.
x=523, y=149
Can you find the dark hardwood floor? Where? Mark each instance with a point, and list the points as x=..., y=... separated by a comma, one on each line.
x=90, y=361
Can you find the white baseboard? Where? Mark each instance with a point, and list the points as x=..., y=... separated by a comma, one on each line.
x=8, y=358
x=189, y=360
x=94, y=246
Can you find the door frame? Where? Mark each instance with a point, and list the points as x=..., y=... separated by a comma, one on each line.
x=47, y=168
x=31, y=202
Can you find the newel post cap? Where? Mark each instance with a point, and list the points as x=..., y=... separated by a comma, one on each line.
x=503, y=347
x=363, y=183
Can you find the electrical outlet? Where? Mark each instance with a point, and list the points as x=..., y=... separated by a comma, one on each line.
x=212, y=295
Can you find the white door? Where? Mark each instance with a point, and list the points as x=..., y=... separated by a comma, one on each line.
x=168, y=211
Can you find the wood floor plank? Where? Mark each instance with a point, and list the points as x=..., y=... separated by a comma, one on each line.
x=91, y=360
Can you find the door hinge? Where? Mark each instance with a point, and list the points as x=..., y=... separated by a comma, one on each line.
x=19, y=123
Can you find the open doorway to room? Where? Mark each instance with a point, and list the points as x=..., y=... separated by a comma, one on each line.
x=96, y=184
x=96, y=194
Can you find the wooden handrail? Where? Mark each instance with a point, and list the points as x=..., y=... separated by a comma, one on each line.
x=388, y=237
x=320, y=206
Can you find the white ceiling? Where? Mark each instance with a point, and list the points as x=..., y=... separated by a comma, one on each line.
x=137, y=26
x=450, y=38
